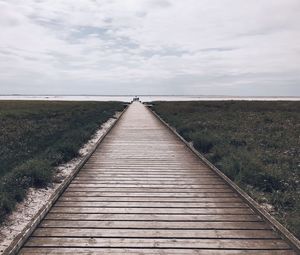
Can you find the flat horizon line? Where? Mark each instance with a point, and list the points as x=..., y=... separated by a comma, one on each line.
x=138, y=95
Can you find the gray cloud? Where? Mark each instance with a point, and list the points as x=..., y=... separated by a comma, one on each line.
x=150, y=47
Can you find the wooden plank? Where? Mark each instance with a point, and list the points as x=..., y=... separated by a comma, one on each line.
x=150, y=199
x=230, y=211
x=157, y=243
x=152, y=194
x=153, y=217
x=156, y=233
x=144, y=171
x=136, y=176
x=121, y=176
x=127, y=177
x=152, y=251
x=153, y=224
x=178, y=182
x=151, y=190
x=156, y=163
x=152, y=204
x=132, y=167
x=148, y=186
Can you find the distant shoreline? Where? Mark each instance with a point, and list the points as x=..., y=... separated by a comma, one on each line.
x=129, y=95
x=146, y=98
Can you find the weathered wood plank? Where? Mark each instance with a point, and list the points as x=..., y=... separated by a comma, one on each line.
x=156, y=233
x=179, y=182
x=157, y=243
x=151, y=199
x=152, y=194
x=153, y=204
x=154, y=224
x=153, y=251
x=144, y=173
x=153, y=217
x=151, y=190
x=149, y=186
x=126, y=177
x=137, y=176
x=232, y=211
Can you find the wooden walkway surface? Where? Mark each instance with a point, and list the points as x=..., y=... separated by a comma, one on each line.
x=144, y=192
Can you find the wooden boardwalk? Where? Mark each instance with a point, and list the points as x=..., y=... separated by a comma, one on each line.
x=144, y=192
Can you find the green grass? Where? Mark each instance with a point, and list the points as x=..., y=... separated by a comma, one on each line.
x=36, y=136
x=256, y=144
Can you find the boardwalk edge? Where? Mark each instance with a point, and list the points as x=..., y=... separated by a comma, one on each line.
x=278, y=227
x=20, y=239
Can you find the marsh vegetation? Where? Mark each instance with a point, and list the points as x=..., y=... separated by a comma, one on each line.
x=36, y=136
x=255, y=143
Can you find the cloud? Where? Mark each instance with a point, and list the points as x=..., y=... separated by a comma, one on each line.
x=150, y=46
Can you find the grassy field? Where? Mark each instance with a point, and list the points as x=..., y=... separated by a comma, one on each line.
x=256, y=144
x=36, y=136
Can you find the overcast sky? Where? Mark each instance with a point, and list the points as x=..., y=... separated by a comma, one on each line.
x=191, y=47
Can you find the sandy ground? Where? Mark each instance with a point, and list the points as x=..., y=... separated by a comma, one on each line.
x=36, y=198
